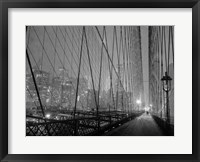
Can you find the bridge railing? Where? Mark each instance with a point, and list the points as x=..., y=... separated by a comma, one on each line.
x=77, y=127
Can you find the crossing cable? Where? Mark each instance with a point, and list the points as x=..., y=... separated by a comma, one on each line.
x=79, y=69
x=109, y=66
x=56, y=53
x=101, y=67
x=151, y=78
x=43, y=50
x=169, y=39
x=159, y=69
x=172, y=37
x=123, y=63
x=157, y=81
x=165, y=46
x=54, y=58
x=60, y=46
x=44, y=82
x=124, y=59
x=77, y=45
x=33, y=57
x=35, y=84
x=104, y=72
x=28, y=37
x=112, y=55
x=64, y=55
x=92, y=61
x=45, y=54
x=124, y=98
x=119, y=66
x=117, y=52
x=66, y=33
x=71, y=64
x=113, y=47
x=75, y=35
x=99, y=46
x=156, y=69
x=95, y=69
x=131, y=63
x=91, y=73
x=107, y=53
x=31, y=54
x=74, y=49
x=127, y=66
x=140, y=73
x=162, y=66
x=141, y=64
x=93, y=58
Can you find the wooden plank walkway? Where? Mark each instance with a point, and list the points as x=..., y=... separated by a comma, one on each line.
x=143, y=125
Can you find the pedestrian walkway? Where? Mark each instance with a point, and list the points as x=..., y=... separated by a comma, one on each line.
x=143, y=125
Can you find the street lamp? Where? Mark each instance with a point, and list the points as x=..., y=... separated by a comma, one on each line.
x=166, y=81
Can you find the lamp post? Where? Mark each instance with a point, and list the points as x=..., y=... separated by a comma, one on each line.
x=166, y=81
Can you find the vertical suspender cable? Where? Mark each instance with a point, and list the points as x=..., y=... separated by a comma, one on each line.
x=97, y=107
x=172, y=38
x=100, y=68
x=43, y=50
x=164, y=37
x=79, y=69
x=169, y=40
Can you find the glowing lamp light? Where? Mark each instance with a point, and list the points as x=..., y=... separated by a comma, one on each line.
x=146, y=108
x=138, y=102
x=48, y=116
x=47, y=100
x=78, y=98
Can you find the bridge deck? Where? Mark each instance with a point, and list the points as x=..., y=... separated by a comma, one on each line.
x=143, y=125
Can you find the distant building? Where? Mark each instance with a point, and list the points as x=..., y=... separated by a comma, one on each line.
x=43, y=86
x=42, y=77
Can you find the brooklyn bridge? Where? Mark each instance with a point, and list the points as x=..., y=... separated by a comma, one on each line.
x=99, y=81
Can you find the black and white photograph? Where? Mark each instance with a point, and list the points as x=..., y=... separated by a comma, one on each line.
x=99, y=80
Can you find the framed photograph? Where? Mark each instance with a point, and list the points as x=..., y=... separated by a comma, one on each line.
x=104, y=80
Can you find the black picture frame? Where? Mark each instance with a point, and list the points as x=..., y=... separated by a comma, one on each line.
x=6, y=4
